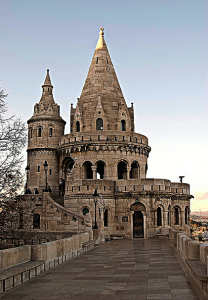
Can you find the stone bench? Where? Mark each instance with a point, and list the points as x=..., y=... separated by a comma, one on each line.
x=18, y=274
x=198, y=270
x=88, y=246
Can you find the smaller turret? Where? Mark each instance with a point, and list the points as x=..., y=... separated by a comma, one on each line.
x=45, y=129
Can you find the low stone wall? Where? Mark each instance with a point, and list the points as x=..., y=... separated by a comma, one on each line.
x=14, y=256
x=20, y=264
x=56, y=252
x=195, y=256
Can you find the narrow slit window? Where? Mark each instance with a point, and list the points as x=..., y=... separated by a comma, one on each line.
x=31, y=133
x=97, y=60
x=50, y=172
x=107, y=60
x=38, y=168
x=39, y=132
x=50, y=132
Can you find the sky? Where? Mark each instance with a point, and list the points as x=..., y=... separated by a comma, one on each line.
x=159, y=51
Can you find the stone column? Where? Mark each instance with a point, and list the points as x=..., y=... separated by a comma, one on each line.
x=182, y=221
x=94, y=169
x=145, y=224
x=165, y=222
x=128, y=171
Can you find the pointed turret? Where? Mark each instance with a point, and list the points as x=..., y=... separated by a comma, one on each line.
x=47, y=80
x=102, y=80
x=47, y=90
x=47, y=105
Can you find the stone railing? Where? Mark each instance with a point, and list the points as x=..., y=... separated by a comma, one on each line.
x=106, y=186
x=103, y=136
x=20, y=264
x=195, y=256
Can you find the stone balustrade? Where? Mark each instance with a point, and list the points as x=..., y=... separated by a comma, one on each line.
x=20, y=264
x=194, y=255
x=106, y=186
x=103, y=136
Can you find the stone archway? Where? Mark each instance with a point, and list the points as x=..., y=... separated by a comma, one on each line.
x=138, y=220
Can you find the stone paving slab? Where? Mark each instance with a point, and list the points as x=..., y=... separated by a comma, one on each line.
x=115, y=270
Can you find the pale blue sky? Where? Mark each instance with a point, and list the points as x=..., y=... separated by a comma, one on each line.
x=159, y=51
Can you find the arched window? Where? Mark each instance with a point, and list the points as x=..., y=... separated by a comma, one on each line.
x=50, y=132
x=36, y=221
x=31, y=132
x=159, y=216
x=39, y=132
x=123, y=125
x=77, y=126
x=85, y=211
x=122, y=170
x=88, y=173
x=99, y=124
x=176, y=216
x=186, y=215
x=134, y=173
x=106, y=217
x=100, y=169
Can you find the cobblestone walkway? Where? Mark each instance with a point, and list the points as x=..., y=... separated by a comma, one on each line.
x=127, y=269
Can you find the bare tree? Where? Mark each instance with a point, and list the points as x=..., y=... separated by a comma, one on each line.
x=12, y=140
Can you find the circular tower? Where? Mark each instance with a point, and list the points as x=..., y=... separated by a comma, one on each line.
x=45, y=129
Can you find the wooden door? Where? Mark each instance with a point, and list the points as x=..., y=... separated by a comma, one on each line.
x=138, y=225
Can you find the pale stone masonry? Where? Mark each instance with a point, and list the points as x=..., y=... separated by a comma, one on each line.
x=102, y=151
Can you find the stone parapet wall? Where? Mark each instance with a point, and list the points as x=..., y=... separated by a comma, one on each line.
x=103, y=136
x=18, y=265
x=194, y=255
x=134, y=185
x=14, y=256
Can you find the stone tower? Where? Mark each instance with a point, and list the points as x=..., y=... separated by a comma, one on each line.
x=101, y=152
x=45, y=129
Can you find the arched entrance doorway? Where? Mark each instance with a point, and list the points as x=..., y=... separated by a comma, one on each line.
x=138, y=220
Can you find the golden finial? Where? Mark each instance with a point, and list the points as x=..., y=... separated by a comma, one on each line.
x=100, y=40
x=101, y=31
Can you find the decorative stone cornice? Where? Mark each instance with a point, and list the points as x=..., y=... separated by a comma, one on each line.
x=141, y=150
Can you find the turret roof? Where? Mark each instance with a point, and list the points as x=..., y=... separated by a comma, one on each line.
x=102, y=80
x=47, y=79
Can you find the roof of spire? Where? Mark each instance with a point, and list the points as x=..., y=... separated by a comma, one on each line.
x=47, y=79
x=102, y=80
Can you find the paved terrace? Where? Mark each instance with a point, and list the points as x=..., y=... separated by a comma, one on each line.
x=126, y=269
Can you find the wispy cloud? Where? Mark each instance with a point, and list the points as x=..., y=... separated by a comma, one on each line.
x=201, y=196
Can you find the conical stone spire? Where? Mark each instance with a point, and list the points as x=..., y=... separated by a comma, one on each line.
x=47, y=92
x=47, y=80
x=102, y=80
x=47, y=106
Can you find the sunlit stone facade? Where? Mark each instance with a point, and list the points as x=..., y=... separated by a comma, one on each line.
x=102, y=152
